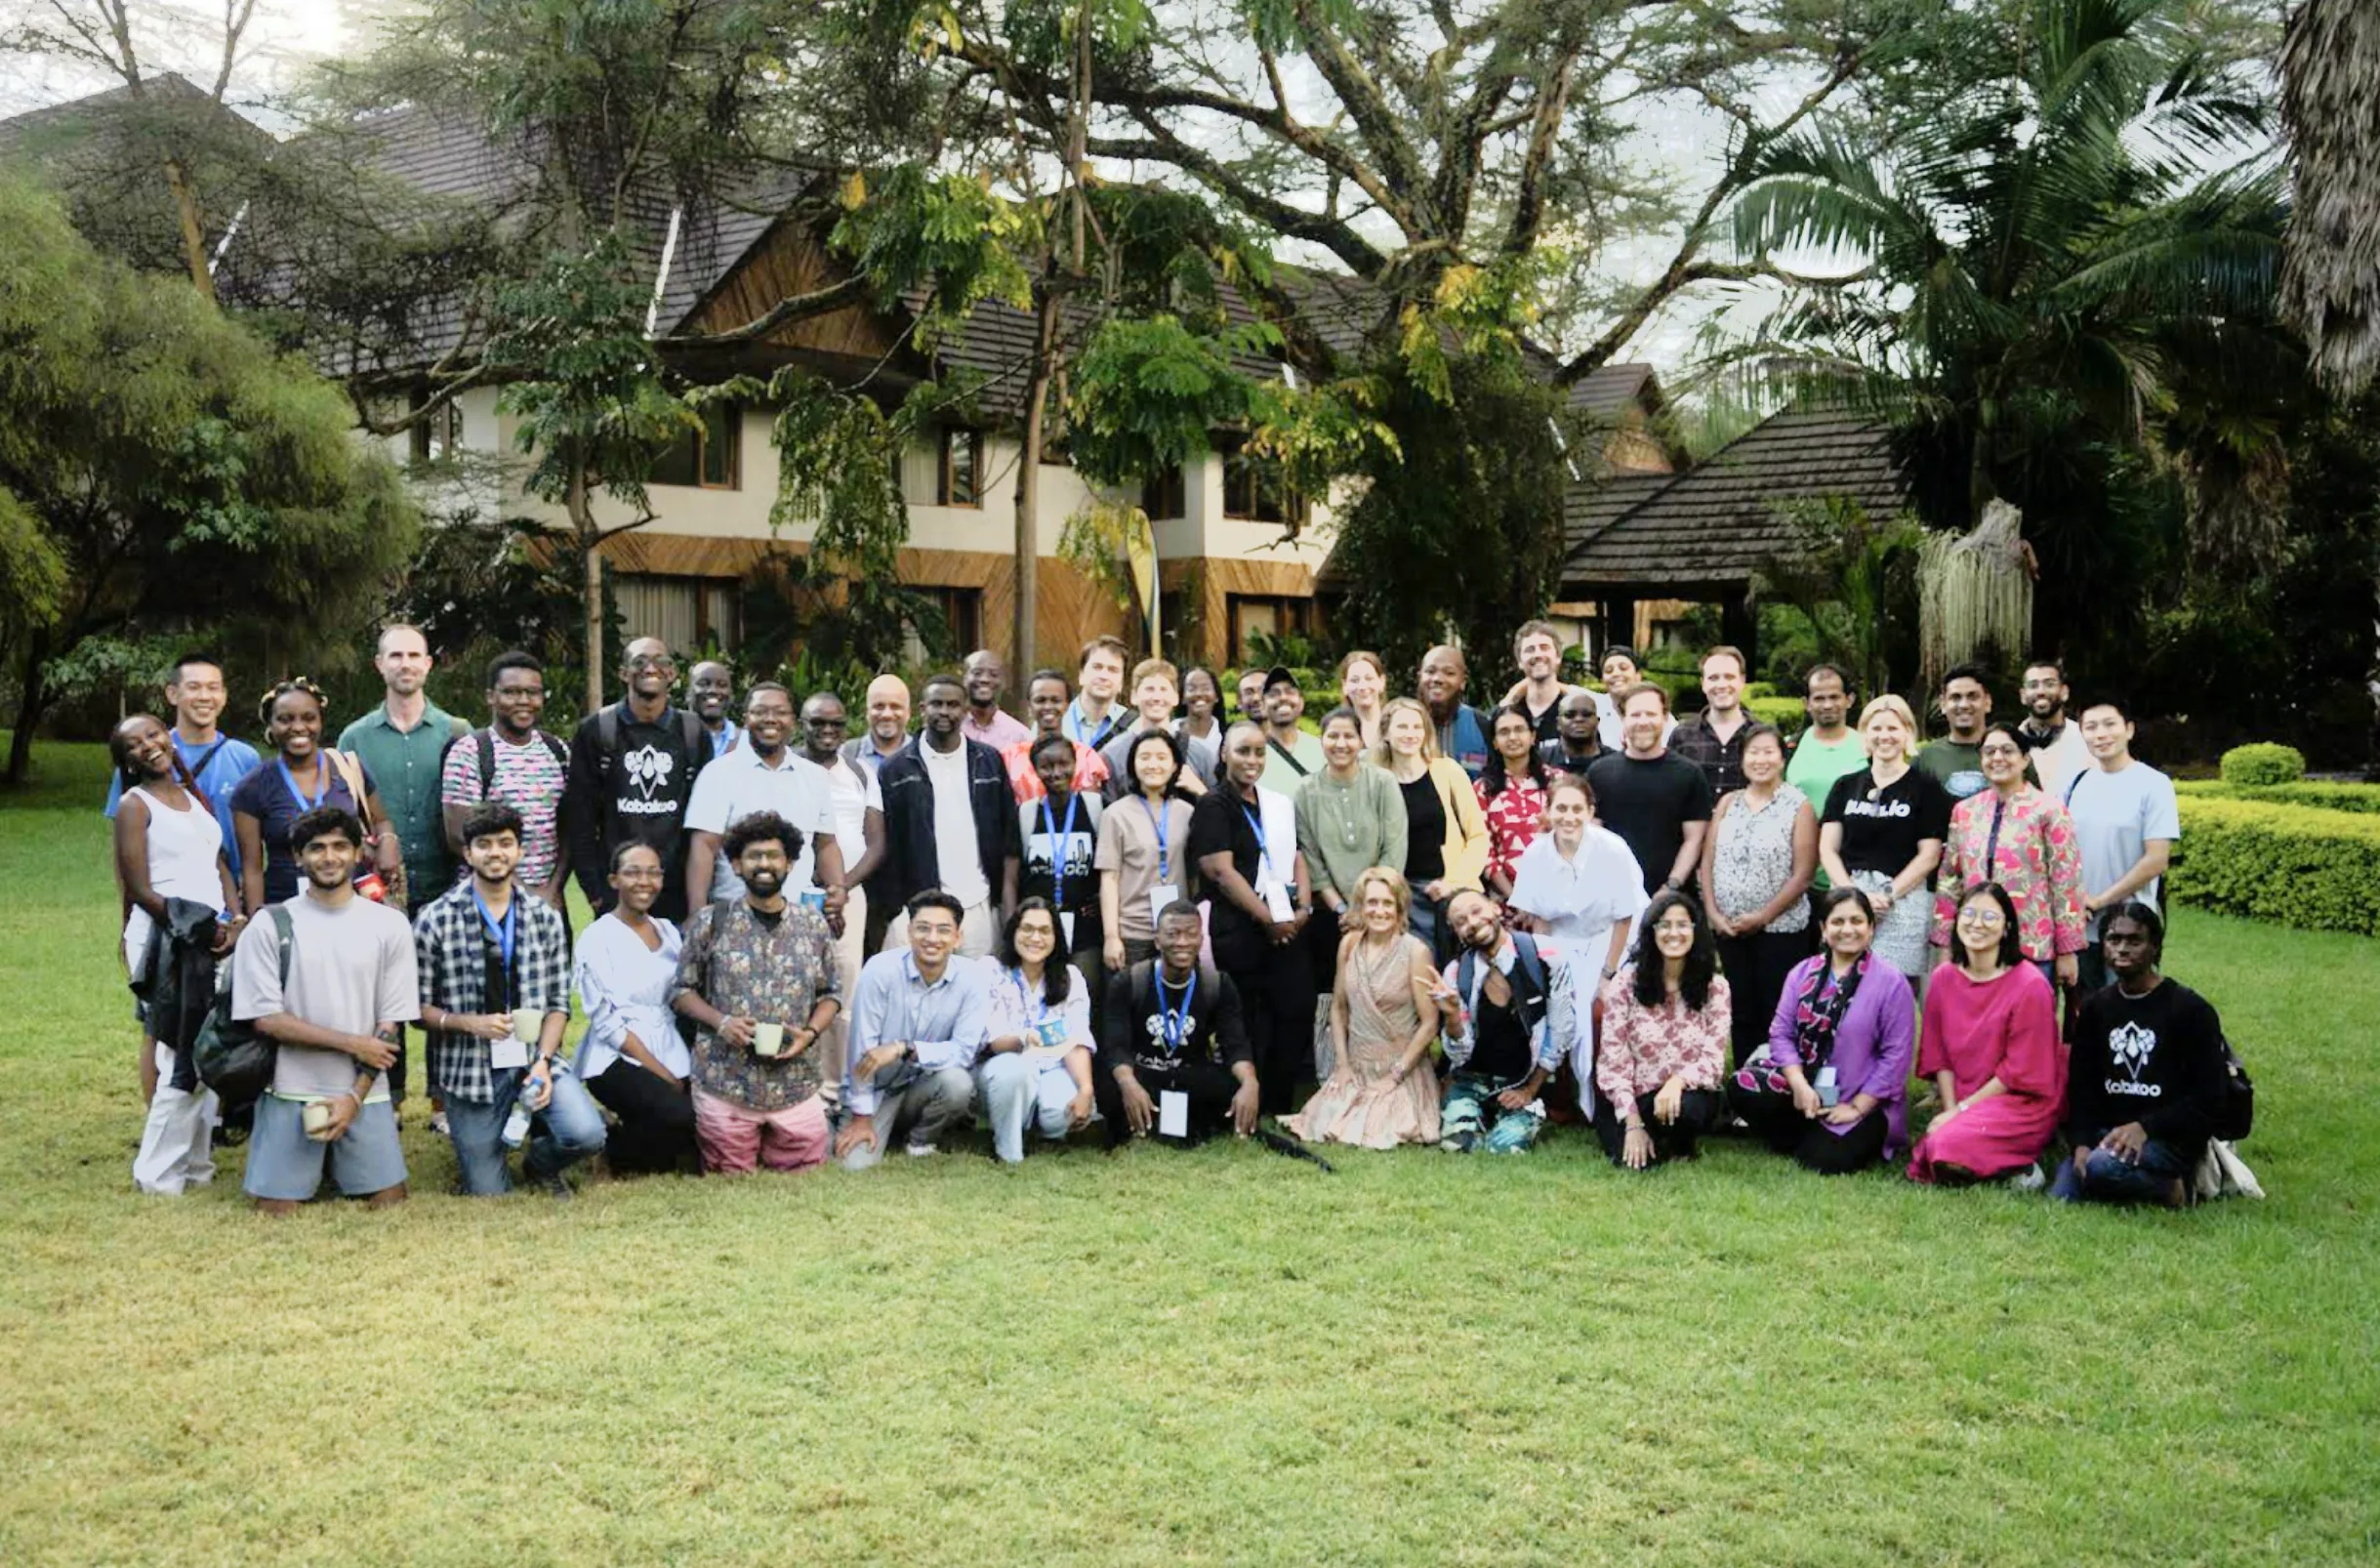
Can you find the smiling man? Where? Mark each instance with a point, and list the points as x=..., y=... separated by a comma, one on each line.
x=917, y=1020
x=950, y=822
x=632, y=767
x=711, y=693
x=986, y=678
x=766, y=773
x=1712, y=740
x=514, y=761
x=403, y=746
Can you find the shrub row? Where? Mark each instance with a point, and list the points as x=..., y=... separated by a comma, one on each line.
x=2295, y=865
x=2360, y=798
x=1785, y=712
x=2263, y=763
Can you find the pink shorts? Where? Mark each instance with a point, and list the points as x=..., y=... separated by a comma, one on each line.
x=735, y=1140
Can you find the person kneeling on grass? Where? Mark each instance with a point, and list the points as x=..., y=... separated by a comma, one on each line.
x=1830, y=1088
x=1037, y=1059
x=1174, y=1058
x=1990, y=1045
x=917, y=1020
x=757, y=977
x=349, y=982
x=495, y=968
x=1511, y=1020
x=632, y=1060
x=2148, y=1078
x=1666, y=1022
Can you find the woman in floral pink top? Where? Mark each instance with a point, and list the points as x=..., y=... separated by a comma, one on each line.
x=1511, y=791
x=1666, y=1021
x=2018, y=836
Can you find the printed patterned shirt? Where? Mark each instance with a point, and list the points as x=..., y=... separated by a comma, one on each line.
x=528, y=778
x=1643, y=1047
x=745, y=968
x=2028, y=847
x=1515, y=813
x=456, y=954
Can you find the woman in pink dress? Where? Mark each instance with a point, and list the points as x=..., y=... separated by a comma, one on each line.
x=1382, y=1092
x=1511, y=791
x=1990, y=1045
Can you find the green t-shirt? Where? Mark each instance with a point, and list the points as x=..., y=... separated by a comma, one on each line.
x=1815, y=766
x=1958, y=767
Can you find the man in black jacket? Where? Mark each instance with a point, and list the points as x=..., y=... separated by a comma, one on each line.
x=951, y=822
x=1174, y=1027
x=2146, y=1082
x=632, y=775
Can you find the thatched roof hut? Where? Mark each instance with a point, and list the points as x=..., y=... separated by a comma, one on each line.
x=2330, y=283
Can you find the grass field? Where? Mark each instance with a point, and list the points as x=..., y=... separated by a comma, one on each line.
x=1221, y=1356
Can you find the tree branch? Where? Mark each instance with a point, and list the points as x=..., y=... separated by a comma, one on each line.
x=793, y=307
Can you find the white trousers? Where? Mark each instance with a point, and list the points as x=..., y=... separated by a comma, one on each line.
x=175, y=1144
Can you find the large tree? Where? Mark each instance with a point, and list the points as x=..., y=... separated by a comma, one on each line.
x=161, y=468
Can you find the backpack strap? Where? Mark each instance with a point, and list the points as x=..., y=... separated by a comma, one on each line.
x=560, y=749
x=1526, y=946
x=697, y=738
x=286, y=932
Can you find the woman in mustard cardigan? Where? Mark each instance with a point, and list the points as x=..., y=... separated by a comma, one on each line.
x=1445, y=834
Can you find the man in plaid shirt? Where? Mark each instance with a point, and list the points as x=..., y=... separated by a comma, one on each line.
x=495, y=977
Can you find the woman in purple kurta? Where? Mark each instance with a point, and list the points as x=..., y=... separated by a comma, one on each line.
x=1832, y=1085
x=1991, y=1046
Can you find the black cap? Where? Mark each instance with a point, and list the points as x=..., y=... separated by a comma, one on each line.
x=1281, y=673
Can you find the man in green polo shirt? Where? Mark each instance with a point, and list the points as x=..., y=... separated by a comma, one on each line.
x=403, y=742
x=1830, y=748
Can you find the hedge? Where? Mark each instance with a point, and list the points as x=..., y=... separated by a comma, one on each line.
x=2295, y=865
x=2263, y=764
x=2360, y=799
x=1785, y=712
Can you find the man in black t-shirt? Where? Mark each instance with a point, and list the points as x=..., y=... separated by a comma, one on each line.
x=1659, y=802
x=2146, y=1081
x=1173, y=1025
x=632, y=775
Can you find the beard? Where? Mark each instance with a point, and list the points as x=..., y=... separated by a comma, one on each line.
x=763, y=884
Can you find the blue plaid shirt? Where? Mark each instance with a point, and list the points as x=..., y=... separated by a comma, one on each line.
x=455, y=951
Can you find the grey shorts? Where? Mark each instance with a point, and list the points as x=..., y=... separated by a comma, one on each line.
x=285, y=1165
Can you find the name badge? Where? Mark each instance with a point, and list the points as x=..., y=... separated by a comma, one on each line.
x=1066, y=930
x=1052, y=1033
x=507, y=1053
x=1172, y=1113
x=815, y=899
x=1828, y=1095
x=1277, y=900
x=1159, y=898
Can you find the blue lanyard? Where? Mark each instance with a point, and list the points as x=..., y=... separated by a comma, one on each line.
x=1037, y=1010
x=1157, y=824
x=298, y=795
x=1256, y=827
x=1058, y=842
x=503, y=931
x=1175, y=1022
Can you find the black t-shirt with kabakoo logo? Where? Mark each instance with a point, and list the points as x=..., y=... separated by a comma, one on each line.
x=631, y=782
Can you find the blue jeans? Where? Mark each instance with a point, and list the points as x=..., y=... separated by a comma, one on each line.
x=1017, y=1089
x=568, y=1130
x=2104, y=1178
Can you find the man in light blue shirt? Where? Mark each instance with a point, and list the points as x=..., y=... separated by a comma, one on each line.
x=918, y=1023
x=195, y=692
x=2126, y=821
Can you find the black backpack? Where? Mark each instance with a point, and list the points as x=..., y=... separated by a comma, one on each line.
x=607, y=739
x=228, y=1056
x=2238, y=1113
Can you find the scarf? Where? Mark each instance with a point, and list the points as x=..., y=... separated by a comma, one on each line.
x=1818, y=1014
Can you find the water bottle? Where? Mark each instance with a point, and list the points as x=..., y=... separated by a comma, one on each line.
x=516, y=1125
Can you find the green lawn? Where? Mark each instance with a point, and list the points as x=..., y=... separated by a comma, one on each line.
x=1215, y=1357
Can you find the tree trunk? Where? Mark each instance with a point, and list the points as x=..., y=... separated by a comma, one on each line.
x=1024, y=653
x=28, y=709
x=193, y=229
x=582, y=522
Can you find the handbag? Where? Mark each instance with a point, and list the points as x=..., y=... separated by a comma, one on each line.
x=230, y=1056
x=2238, y=1113
x=391, y=883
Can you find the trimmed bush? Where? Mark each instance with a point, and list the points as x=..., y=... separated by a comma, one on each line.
x=2295, y=865
x=1785, y=712
x=2360, y=798
x=2263, y=764
x=1759, y=688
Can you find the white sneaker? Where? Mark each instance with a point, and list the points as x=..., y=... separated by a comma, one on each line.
x=2029, y=1180
x=437, y=1125
x=919, y=1151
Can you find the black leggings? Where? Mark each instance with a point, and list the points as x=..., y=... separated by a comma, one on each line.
x=1772, y=1116
x=1696, y=1109
x=656, y=1132
x=1277, y=999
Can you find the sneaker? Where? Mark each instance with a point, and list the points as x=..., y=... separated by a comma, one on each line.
x=2029, y=1180
x=919, y=1151
x=437, y=1125
x=557, y=1188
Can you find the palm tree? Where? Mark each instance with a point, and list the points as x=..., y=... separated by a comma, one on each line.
x=2038, y=275
x=2331, y=287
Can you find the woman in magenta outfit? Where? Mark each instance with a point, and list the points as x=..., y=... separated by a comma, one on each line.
x=2021, y=838
x=1990, y=1045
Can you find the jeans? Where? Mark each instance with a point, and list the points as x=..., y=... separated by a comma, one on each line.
x=1016, y=1089
x=2104, y=1178
x=918, y=1112
x=568, y=1130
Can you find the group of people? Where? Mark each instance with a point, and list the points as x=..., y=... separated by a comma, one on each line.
x=1422, y=923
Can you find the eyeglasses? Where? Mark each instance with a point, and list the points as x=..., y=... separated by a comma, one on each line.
x=647, y=661
x=825, y=722
x=1982, y=915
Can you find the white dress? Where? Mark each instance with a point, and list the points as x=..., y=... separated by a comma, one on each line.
x=1580, y=900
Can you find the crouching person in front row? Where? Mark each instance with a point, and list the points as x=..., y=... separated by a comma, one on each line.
x=1510, y=1023
x=495, y=971
x=756, y=978
x=917, y=1020
x=1175, y=1055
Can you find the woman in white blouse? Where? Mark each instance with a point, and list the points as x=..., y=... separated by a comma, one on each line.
x=1580, y=884
x=1036, y=1062
x=632, y=1060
